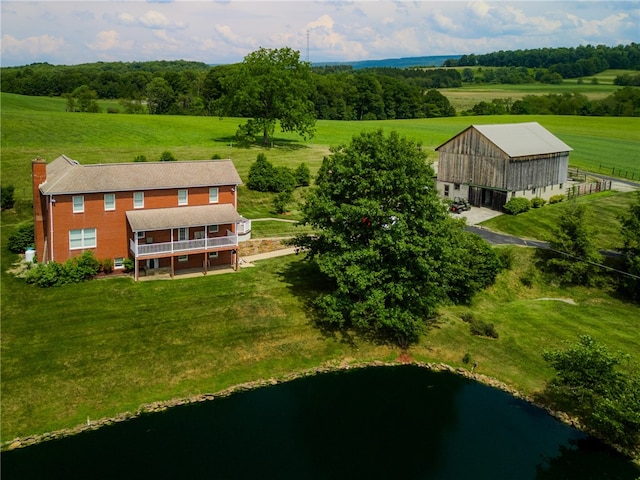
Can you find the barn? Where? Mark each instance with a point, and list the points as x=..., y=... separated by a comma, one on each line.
x=491, y=164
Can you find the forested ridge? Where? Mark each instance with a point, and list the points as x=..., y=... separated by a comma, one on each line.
x=338, y=92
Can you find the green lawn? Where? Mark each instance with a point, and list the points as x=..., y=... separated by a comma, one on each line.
x=107, y=346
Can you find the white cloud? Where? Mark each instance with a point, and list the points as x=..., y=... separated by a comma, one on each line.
x=154, y=19
x=109, y=40
x=31, y=46
x=226, y=31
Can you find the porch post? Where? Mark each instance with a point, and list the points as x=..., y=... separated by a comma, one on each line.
x=136, y=268
x=172, y=270
x=205, y=262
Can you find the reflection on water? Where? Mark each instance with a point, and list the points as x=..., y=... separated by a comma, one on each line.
x=392, y=422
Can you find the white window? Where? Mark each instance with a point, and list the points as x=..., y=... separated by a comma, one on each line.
x=183, y=258
x=213, y=254
x=213, y=195
x=140, y=234
x=78, y=204
x=446, y=190
x=118, y=262
x=213, y=228
x=82, y=238
x=183, y=198
x=182, y=234
x=138, y=199
x=109, y=201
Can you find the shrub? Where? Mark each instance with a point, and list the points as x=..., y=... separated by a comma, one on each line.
x=260, y=174
x=556, y=199
x=107, y=265
x=112, y=110
x=282, y=180
x=167, y=157
x=264, y=177
x=506, y=258
x=467, y=317
x=140, y=158
x=6, y=197
x=537, y=202
x=517, y=205
x=281, y=201
x=129, y=264
x=483, y=329
x=303, y=175
x=74, y=270
x=467, y=358
x=216, y=156
x=528, y=278
x=22, y=239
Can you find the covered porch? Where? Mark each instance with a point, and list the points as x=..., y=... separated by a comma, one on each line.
x=184, y=238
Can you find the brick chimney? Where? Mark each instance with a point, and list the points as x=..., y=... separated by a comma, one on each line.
x=40, y=221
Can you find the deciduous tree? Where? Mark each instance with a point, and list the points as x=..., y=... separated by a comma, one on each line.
x=271, y=85
x=385, y=239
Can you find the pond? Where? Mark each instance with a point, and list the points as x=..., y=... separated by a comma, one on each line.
x=380, y=422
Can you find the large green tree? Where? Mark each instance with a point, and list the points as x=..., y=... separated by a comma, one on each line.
x=630, y=233
x=576, y=257
x=590, y=383
x=384, y=238
x=270, y=86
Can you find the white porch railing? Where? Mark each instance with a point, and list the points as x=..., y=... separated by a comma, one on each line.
x=244, y=226
x=183, y=246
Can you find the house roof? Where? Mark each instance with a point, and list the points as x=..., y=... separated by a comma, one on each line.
x=67, y=176
x=178, y=217
x=521, y=139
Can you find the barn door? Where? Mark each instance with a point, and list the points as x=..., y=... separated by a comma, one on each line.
x=475, y=196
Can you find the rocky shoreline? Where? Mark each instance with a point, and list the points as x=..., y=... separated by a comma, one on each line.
x=155, y=407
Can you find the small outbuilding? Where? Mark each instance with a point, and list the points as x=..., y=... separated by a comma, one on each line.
x=490, y=164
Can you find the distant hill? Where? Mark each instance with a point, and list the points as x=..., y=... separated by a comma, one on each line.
x=431, y=61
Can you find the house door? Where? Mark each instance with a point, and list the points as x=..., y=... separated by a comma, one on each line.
x=152, y=263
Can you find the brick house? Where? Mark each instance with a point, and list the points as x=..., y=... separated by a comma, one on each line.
x=163, y=215
x=491, y=164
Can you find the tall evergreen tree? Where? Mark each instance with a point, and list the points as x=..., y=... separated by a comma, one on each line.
x=576, y=256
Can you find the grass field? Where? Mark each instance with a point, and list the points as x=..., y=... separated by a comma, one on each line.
x=31, y=128
x=106, y=346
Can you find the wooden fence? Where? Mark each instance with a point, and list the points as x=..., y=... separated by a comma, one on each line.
x=588, y=188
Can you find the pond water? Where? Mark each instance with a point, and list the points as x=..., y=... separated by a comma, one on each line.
x=384, y=422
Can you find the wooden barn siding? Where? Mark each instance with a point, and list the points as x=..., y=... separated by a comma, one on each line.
x=470, y=158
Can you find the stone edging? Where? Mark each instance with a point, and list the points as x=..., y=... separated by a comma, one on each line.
x=155, y=407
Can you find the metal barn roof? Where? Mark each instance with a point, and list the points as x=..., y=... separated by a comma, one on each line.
x=523, y=139
x=519, y=139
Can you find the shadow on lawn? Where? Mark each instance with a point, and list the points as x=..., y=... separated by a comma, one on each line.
x=276, y=143
x=306, y=282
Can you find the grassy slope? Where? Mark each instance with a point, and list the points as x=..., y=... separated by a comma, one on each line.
x=604, y=208
x=107, y=346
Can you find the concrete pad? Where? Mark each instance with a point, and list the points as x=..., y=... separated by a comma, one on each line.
x=477, y=215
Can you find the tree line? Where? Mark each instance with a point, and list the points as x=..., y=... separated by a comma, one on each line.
x=622, y=103
x=332, y=92
x=581, y=61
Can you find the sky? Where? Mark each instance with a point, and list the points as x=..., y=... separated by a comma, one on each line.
x=225, y=31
